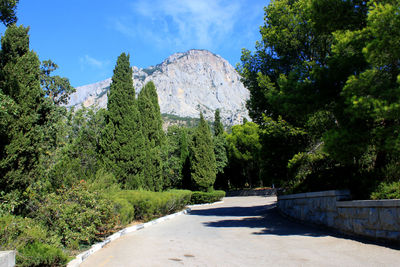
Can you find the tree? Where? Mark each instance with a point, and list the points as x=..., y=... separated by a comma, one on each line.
x=370, y=122
x=123, y=143
x=280, y=142
x=202, y=159
x=244, y=147
x=219, y=144
x=20, y=86
x=154, y=135
x=56, y=88
x=7, y=11
x=176, y=155
x=218, y=127
x=291, y=73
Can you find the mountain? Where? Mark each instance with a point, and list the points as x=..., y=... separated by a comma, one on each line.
x=186, y=83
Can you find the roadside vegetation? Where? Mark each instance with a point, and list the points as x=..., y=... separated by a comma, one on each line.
x=324, y=86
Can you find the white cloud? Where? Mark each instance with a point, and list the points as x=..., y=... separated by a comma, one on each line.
x=187, y=23
x=88, y=60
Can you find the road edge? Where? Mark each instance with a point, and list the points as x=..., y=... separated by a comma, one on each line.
x=96, y=247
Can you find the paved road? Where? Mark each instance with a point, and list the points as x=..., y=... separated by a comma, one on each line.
x=242, y=231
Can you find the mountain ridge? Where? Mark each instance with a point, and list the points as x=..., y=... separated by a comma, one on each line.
x=187, y=83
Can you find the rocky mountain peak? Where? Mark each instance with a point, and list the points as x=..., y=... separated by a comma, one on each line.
x=187, y=83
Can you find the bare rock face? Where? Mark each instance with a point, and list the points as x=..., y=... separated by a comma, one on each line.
x=186, y=83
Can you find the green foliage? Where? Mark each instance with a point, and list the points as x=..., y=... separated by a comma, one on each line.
x=387, y=191
x=39, y=254
x=181, y=121
x=218, y=127
x=7, y=11
x=57, y=89
x=220, y=144
x=123, y=144
x=372, y=96
x=280, y=141
x=221, y=157
x=202, y=158
x=330, y=70
x=148, y=205
x=154, y=136
x=77, y=215
x=243, y=154
x=21, y=132
x=175, y=154
x=75, y=151
x=199, y=197
x=17, y=231
x=32, y=241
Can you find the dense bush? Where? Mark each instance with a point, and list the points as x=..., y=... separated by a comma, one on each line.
x=147, y=205
x=35, y=246
x=39, y=254
x=77, y=215
x=199, y=197
x=387, y=191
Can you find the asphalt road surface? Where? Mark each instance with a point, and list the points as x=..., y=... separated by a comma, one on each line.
x=242, y=231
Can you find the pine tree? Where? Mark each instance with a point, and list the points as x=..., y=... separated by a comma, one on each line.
x=202, y=160
x=21, y=123
x=154, y=136
x=123, y=143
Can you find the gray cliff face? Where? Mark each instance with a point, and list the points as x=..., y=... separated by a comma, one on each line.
x=186, y=83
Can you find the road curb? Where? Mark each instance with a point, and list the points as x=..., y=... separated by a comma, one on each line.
x=96, y=247
x=205, y=204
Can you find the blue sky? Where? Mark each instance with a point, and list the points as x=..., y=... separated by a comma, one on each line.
x=85, y=37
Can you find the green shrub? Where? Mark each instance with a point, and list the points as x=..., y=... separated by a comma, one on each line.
x=32, y=241
x=199, y=197
x=387, y=191
x=77, y=215
x=124, y=209
x=148, y=205
x=39, y=254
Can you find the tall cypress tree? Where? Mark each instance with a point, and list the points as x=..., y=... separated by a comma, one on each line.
x=219, y=143
x=218, y=127
x=202, y=160
x=154, y=135
x=21, y=123
x=123, y=143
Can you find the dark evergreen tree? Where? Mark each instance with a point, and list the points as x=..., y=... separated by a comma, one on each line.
x=154, y=136
x=219, y=144
x=202, y=158
x=218, y=127
x=23, y=98
x=123, y=143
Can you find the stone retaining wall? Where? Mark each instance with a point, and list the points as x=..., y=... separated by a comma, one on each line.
x=376, y=219
x=252, y=192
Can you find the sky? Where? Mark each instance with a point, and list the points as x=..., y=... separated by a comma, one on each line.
x=85, y=37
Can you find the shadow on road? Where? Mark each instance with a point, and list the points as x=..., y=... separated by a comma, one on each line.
x=265, y=217
x=268, y=221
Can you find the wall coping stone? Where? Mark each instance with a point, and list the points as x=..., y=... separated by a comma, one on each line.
x=369, y=203
x=7, y=258
x=330, y=193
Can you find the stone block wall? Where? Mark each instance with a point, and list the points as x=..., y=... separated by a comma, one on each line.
x=377, y=219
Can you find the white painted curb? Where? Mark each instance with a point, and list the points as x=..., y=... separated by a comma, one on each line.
x=205, y=204
x=81, y=257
